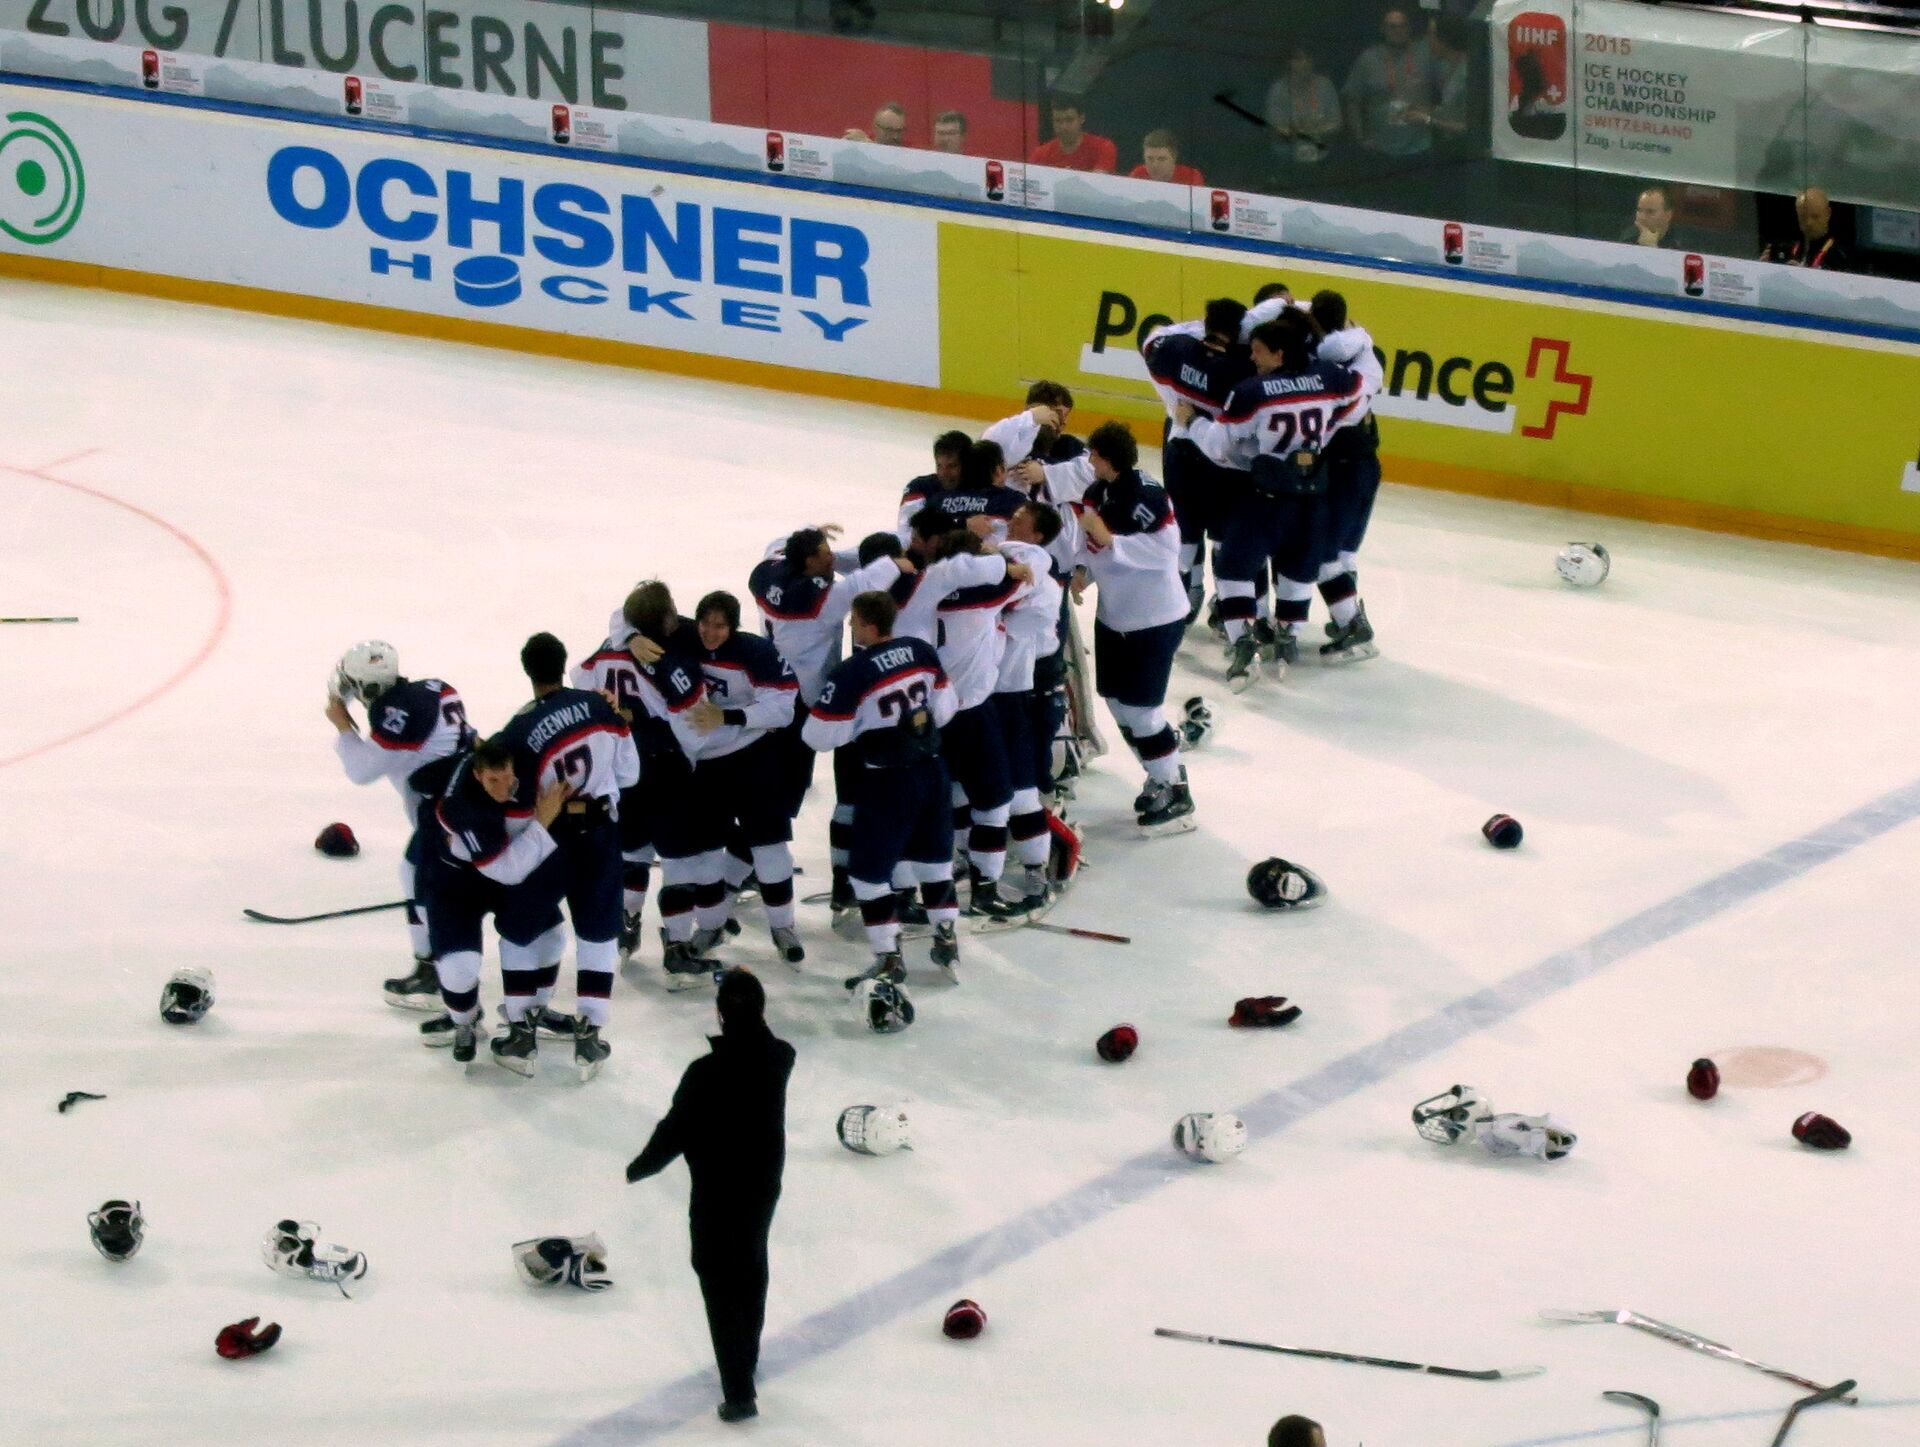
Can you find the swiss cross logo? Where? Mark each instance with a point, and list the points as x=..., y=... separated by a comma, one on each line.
x=1565, y=405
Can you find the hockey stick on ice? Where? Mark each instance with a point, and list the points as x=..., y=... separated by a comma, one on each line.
x=1836, y=1393
x=330, y=914
x=1078, y=933
x=39, y=620
x=1651, y=1407
x=1497, y=1374
x=1681, y=1337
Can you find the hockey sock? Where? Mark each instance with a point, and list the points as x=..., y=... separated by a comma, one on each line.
x=545, y=978
x=840, y=835
x=594, y=987
x=987, y=842
x=416, y=917
x=1293, y=610
x=1237, y=606
x=877, y=914
x=711, y=905
x=634, y=885
x=773, y=865
x=1344, y=611
x=519, y=987
x=676, y=913
x=460, y=985
x=942, y=903
x=1262, y=599
x=1028, y=828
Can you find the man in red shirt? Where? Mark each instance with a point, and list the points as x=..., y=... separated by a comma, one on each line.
x=1073, y=147
x=1160, y=161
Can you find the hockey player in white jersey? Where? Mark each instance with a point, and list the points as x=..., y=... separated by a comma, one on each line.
x=414, y=729
x=1031, y=629
x=743, y=770
x=1129, y=543
x=611, y=670
x=1276, y=427
x=1353, y=481
x=884, y=707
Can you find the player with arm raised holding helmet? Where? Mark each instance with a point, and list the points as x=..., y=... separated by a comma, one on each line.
x=415, y=727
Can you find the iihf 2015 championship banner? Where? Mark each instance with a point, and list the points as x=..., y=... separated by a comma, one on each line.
x=575, y=248
x=1654, y=91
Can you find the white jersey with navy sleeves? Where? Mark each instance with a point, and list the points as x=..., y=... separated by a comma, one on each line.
x=919, y=595
x=805, y=616
x=879, y=700
x=414, y=725
x=1138, y=573
x=611, y=669
x=754, y=688
x=1279, y=414
x=1031, y=621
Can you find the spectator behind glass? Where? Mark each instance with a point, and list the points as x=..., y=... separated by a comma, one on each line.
x=950, y=133
x=1652, y=219
x=1448, y=39
x=1817, y=247
x=889, y=126
x=1296, y=1432
x=1160, y=161
x=1390, y=91
x=1074, y=147
x=1305, y=108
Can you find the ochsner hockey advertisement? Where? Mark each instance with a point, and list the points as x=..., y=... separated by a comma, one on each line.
x=572, y=247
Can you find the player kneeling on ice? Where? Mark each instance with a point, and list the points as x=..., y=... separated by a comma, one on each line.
x=1129, y=545
x=490, y=853
x=888, y=703
x=1462, y=1114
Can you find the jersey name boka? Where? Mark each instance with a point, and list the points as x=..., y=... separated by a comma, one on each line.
x=1183, y=368
x=414, y=730
x=882, y=701
x=482, y=834
x=571, y=736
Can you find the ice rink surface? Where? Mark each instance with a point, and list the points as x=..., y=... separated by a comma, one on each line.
x=1713, y=755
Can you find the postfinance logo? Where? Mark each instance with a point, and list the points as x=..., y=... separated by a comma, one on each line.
x=43, y=186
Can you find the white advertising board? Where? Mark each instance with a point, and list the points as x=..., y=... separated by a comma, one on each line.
x=552, y=243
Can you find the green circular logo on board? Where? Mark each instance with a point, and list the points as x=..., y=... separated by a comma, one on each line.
x=42, y=184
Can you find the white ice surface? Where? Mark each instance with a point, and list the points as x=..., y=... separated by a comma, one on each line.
x=1714, y=699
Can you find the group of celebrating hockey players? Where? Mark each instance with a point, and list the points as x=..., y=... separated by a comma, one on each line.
x=688, y=744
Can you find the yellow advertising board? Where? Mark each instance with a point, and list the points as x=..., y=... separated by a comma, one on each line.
x=1560, y=400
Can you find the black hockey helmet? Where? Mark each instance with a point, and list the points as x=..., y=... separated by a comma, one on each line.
x=1278, y=884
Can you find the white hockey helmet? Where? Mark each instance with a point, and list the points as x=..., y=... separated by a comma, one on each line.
x=883, y=1007
x=1560, y=1140
x=187, y=997
x=1447, y=1118
x=1585, y=565
x=366, y=671
x=288, y=1247
x=875, y=1130
x=1210, y=1136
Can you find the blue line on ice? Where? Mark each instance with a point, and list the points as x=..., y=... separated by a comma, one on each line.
x=1637, y=1428
x=826, y=1331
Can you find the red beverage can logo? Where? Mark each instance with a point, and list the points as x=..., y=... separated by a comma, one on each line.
x=776, y=151
x=1222, y=211
x=996, y=181
x=150, y=69
x=353, y=94
x=562, y=125
x=1453, y=243
x=1695, y=271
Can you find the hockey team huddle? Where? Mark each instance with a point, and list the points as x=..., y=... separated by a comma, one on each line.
x=685, y=745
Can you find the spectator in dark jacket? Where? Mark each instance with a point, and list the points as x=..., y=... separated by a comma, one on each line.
x=729, y=1119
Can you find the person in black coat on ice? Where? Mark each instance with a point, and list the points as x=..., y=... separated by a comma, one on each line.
x=729, y=1119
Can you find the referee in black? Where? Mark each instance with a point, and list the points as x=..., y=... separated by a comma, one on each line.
x=729, y=1119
